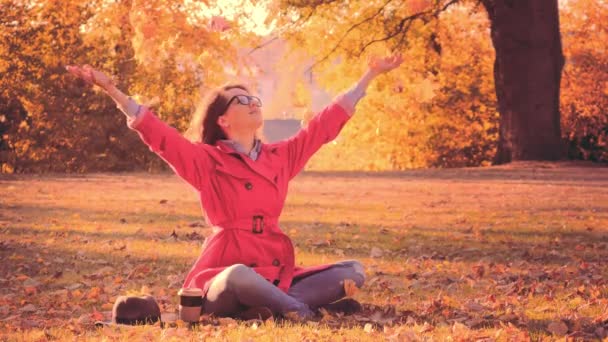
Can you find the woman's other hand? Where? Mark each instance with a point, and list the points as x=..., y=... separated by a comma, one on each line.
x=91, y=76
x=380, y=65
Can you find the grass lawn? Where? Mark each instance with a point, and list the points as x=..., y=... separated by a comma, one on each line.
x=501, y=253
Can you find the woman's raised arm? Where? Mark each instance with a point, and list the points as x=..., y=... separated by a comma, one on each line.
x=189, y=160
x=327, y=124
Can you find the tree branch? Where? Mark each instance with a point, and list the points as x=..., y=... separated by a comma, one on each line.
x=401, y=28
x=279, y=34
x=350, y=29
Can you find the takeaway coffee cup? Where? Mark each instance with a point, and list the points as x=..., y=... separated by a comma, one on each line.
x=190, y=303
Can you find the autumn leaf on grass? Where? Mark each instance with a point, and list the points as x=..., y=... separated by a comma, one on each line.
x=94, y=293
x=97, y=316
x=326, y=316
x=350, y=288
x=558, y=328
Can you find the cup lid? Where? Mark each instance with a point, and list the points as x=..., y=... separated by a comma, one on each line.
x=190, y=292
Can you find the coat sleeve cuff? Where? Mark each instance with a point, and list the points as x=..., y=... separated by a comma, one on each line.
x=133, y=122
x=349, y=99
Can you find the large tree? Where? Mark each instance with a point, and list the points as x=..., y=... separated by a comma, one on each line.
x=526, y=39
x=527, y=74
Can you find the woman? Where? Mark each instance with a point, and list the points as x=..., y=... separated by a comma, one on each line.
x=248, y=262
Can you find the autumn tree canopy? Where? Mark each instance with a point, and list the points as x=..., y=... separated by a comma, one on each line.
x=439, y=109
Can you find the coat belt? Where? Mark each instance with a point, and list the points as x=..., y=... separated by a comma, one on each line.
x=256, y=224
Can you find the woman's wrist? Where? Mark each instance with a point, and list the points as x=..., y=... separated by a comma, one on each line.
x=118, y=96
x=126, y=104
x=371, y=73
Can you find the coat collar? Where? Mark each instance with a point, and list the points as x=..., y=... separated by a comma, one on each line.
x=262, y=166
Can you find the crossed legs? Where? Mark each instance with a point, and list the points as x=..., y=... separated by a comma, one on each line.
x=239, y=287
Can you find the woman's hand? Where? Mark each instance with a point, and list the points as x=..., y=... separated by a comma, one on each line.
x=98, y=78
x=91, y=76
x=380, y=65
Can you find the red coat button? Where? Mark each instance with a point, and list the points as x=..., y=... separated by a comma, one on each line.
x=248, y=186
x=276, y=262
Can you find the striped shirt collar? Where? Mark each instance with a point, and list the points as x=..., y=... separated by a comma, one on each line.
x=253, y=154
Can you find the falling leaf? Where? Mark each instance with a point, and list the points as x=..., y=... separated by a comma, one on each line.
x=350, y=288
x=426, y=90
x=219, y=24
x=417, y=6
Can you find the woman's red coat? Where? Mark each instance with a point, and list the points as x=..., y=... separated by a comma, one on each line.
x=242, y=198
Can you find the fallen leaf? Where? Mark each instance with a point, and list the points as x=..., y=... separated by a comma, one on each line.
x=107, y=306
x=74, y=286
x=426, y=328
x=376, y=252
x=473, y=306
x=368, y=328
x=30, y=290
x=478, y=270
x=28, y=308
x=94, y=293
x=350, y=288
x=558, y=328
x=97, y=316
x=31, y=282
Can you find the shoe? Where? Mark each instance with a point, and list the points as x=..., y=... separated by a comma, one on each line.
x=347, y=306
x=257, y=312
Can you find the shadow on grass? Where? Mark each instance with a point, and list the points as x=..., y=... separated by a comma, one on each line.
x=548, y=247
x=594, y=173
x=51, y=213
x=579, y=328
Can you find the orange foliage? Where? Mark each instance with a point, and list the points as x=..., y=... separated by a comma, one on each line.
x=437, y=110
x=584, y=97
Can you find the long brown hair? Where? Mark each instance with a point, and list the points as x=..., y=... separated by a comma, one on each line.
x=203, y=126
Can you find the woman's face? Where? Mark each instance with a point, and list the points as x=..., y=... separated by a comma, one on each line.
x=243, y=113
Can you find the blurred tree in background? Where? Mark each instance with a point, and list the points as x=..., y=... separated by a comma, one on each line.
x=584, y=101
x=52, y=122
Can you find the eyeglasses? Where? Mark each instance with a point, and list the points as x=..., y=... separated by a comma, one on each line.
x=245, y=100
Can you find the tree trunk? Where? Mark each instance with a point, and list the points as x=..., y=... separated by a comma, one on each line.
x=527, y=74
